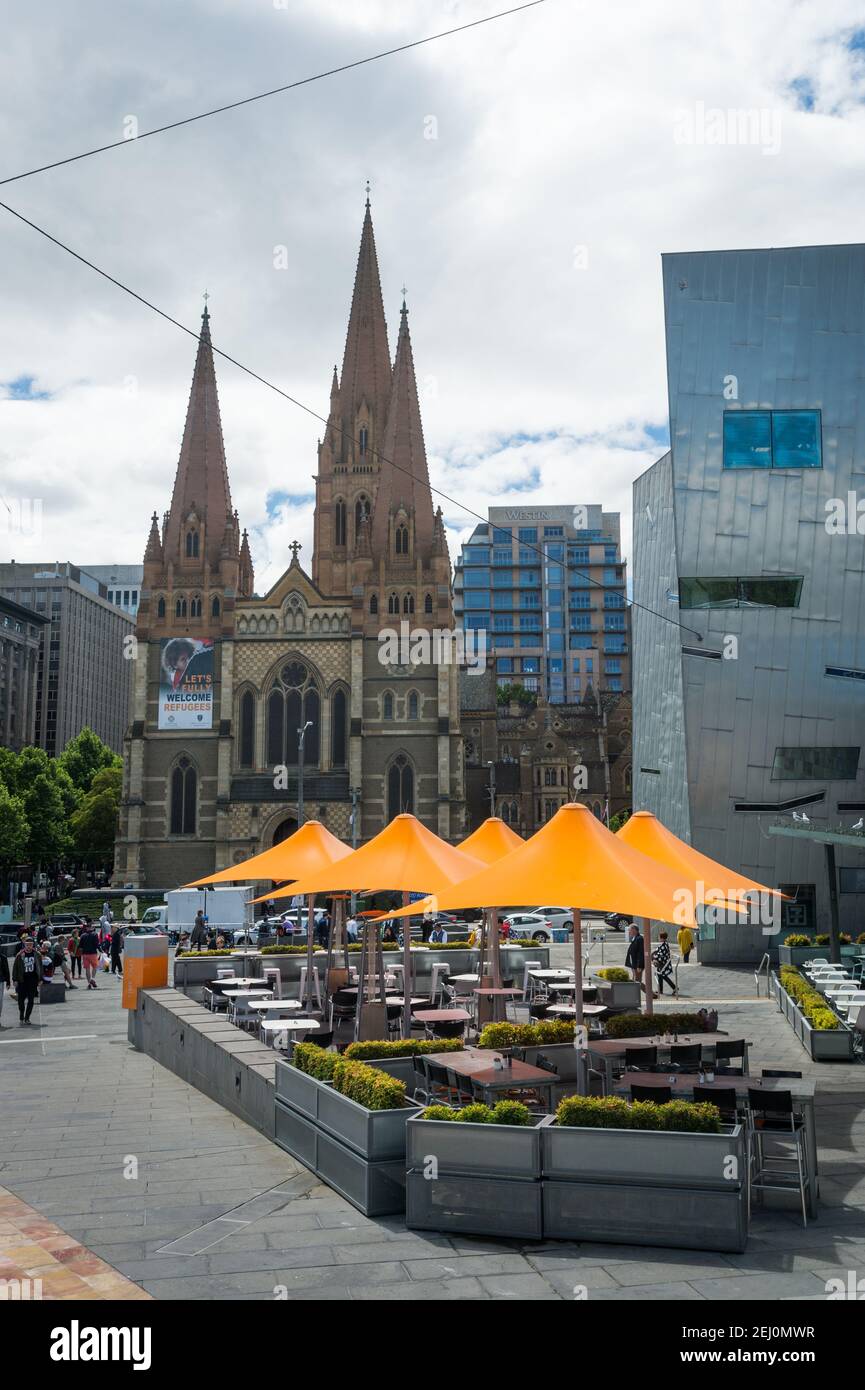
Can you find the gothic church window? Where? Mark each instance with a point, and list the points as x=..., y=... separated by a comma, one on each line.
x=400, y=787
x=247, y=729
x=293, y=700
x=192, y=545
x=402, y=540
x=184, y=786
x=339, y=522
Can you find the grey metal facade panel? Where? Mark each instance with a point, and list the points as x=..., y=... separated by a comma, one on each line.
x=789, y=325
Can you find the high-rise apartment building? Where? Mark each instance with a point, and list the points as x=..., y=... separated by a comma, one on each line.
x=122, y=583
x=548, y=587
x=84, y=669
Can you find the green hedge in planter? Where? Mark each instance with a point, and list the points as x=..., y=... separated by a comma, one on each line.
x=615, y=974
x=644, y=1025
x=797, y=939
x=407, y=1047
x=860, y=940
x=228, y=951
x=498, y=1035
x=824, y=939
x=812, y=1003
x=504, y=1112
x=315, y=1061
x=609, y=1112
x=371, y=1088
x=286, y=950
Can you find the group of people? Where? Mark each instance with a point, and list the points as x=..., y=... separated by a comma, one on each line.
x=662, y=958
x=45, y=958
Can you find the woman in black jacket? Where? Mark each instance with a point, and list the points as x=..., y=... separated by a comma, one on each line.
x=4, y=980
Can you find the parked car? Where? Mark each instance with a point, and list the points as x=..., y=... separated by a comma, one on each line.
x=528, y=924
x=66, y=919
x=618, y=920
x=557, y=916
x=142, y=929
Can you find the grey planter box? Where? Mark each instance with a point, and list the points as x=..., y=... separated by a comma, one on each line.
x=619, y=994
x=376, y=1189
x=376, y=1135
x=683, y=1217
x=801, y=955
x=402, y=1068
x=822, y=1046
x=495, y=1151
x=473, y=1205
x=643, y=1157
x=297, y=1089
x=563, y=1056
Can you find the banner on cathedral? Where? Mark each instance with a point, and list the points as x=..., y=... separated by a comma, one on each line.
x=185, y=683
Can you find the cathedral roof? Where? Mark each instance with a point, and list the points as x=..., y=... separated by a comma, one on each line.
x=403, y=476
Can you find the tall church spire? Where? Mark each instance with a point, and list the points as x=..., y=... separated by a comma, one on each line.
x=364, y=382
x=201, y=487
x=404, y=476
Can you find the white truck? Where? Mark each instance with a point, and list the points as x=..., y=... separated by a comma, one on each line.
x=228, y=911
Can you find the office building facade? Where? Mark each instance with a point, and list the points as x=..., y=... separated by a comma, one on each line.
x=84, y=669
x=547, y=585
x=122, y=583
x=21, y=633
x=748, y=706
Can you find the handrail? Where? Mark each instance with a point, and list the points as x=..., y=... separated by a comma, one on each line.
x=762, y=971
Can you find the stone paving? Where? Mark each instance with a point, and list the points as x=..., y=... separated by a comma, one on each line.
x=137, y=1167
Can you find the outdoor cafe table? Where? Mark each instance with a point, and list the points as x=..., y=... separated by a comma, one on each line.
x=606, y=1051
x=682, y=1084
x=238, y=981
x=551, y=974
x=476, y=1066
x=467, y=980
x=569, y=1010
x=443, y=1016
x=268, y=1006
x=278, y=1026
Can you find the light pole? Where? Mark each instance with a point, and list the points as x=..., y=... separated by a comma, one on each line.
x=355, y=802
x=492, y=789
x=301, y=736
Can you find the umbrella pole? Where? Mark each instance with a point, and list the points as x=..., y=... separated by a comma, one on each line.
x=406, y=972
x=647, y=964
x=578, y=968
x=310, y=903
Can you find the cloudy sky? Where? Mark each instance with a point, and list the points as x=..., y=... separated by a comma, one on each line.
x=526, y=177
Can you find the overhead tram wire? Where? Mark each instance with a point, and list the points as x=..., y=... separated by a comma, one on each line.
x=273, y=91
x=249, y=371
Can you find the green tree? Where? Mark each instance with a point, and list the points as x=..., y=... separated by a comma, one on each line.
x=84, y=756
x=14, y=828
x=8, y=769
x=47, y=816
x=618, y=820
x=94, y=822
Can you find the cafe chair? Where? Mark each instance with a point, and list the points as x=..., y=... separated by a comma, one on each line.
x=273, y=979
x=724, y=1097
x=434, y=1086
x=660, y=1095
x=529, y=985
x=686, y=1056
x=727, y=1053
x=772, y=1118
x=640, y=1058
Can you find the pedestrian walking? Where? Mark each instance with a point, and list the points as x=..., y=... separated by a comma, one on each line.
x=685, y=938
x=5, y=979
x=26, y=977
x=90, y=953
x=61, y=960
x=117, y=950
x=663, y=963
x=74, y=948
x=635, y=959
x=198, y=940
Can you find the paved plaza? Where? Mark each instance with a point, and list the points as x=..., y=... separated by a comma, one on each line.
x=176, y=1195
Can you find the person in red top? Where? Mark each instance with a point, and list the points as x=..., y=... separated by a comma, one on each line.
x=90, y=952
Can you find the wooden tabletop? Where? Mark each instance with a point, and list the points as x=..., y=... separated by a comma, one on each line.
x=499, y=992
x=443, y=1016
x=615, y=1047
x=478, y=1066
x=685, y=1082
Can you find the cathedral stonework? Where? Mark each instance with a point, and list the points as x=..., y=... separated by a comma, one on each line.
x=225, y=680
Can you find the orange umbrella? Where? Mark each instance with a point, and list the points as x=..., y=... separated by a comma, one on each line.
x=575, y=859
x=405, y=855
x=491, y=841
x=644, y=832
x=309, y=849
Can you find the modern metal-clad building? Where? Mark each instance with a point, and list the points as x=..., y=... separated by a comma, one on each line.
x=753, y=712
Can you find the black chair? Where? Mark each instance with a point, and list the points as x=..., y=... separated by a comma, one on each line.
x=772, y=1116
x=435, y=1085
x=545, y=1064
x=727, y=1053
x=322, y=1038
x=640, y=1058
x=686, y=1056
x=343, y=1006
x=785, y=1075
x=724, y=1097
x=659, y=1094
x=447, y=1029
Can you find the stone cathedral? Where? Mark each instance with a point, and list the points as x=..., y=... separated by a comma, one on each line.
x=224, y=680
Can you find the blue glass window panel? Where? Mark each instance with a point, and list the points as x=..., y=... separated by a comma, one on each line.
x=581, y=601
x=556, y=598
x=474, y=621
x=556, y=641
x=504, y=599
x=556, y=619
x=614, y=622
x=747, y=439
x=555, y=574
x=502, y=535
x=610, y=554
x=590, y=663
x=505, y=664
x=614, y=600
x=530, y=578
x=556, y=665
x=554, y=530
x=531, y=599
x=503, y=579
x=615, y=683
x=479, y=600
x=796, y=439
x=581, y=622
x=615, y=644
x=555, y=552
x=580, y=555
x=531, y=663
x=613, y=668
x=477, y=579
x=530, y=641
x=580, y=581
x=503, y=557
x=610, y=577
x=578, y=643
x=530, y=622
x=503, y=639
x=528, y=533
x=528, y=557
x=502, y=622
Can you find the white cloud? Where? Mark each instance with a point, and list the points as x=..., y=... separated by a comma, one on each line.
x=529, y=233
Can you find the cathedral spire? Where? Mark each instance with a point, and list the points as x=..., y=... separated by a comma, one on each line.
x=365, y=379
x=154, y=542
x=404, y=476
x=201, y=487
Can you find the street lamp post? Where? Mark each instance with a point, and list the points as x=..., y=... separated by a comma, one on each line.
x=301, y=736
x=492, y=787
x=355, y=804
